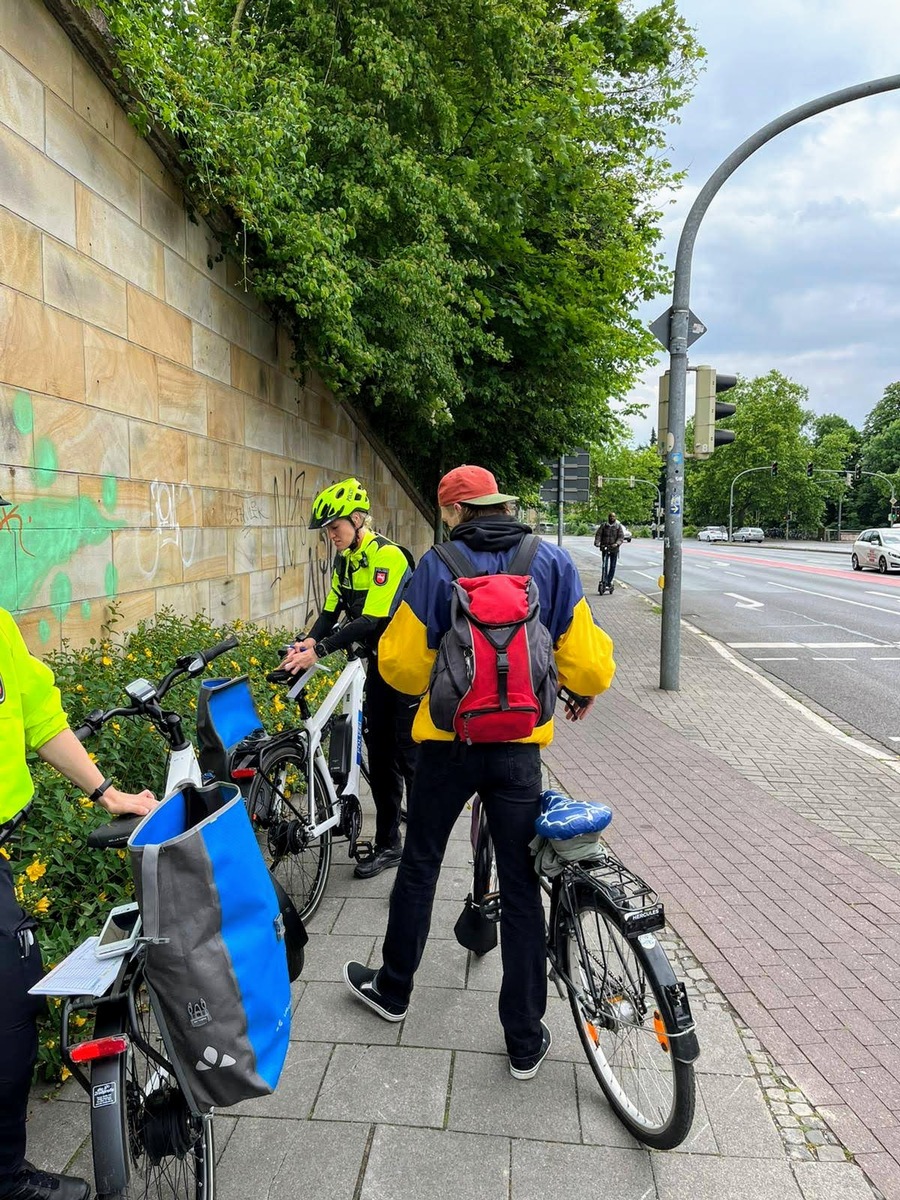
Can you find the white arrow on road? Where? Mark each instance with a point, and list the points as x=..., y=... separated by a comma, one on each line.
x=745, y=601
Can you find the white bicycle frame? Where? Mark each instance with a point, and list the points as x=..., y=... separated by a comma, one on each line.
x=347, y=692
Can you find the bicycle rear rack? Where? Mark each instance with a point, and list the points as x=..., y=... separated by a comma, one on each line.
x=635, y=905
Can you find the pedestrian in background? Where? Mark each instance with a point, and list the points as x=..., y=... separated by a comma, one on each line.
x=609, y=537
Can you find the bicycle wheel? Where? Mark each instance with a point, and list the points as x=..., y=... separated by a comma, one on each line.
x=279, y=805
x=624, y=1032
x=147, y=1142
x=485, y=885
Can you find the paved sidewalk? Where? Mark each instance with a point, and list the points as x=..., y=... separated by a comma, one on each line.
x=784, y=932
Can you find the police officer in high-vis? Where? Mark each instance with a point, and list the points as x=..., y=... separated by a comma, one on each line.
x=370, y=573
x=32, y=718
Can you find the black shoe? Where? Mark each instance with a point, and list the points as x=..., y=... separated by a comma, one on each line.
x=527, y=1068
x=611, y=588
x=601, y=587
x=378, y=861
x=361, y=982
x=31, y=1184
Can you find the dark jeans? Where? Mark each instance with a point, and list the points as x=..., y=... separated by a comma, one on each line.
x=610, y=559
x=18, y=1032
x=507, y=776
x=392, y=752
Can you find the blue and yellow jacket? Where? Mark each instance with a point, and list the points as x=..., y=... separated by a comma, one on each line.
x=31, y=714
x=408, y=647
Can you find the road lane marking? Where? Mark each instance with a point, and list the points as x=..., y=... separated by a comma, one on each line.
x=774, y=658
x=646, y=574
x=826, y=596
x=765, y=645
x=832, y=658
x=883, y=658
x=744, y=601
x=736, y=574
x=882, y=596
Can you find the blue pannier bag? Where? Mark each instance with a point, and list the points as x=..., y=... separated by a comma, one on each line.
x=216, y=960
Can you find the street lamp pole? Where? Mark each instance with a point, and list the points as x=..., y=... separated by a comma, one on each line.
x=679, y=336
x=749, y=471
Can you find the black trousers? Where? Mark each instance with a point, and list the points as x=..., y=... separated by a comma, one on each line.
x=392, y=752
x=507, y=776
x=18, y=1014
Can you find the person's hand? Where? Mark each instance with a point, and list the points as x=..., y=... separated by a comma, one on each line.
x=116, y=803
x=579, y=712
x=300, y=657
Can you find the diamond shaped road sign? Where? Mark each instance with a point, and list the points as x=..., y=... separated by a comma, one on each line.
x=660, y=328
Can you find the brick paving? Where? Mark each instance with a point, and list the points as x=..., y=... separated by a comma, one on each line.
x=773, y=842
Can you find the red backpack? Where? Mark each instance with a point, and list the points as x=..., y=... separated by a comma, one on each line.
x=494, y=678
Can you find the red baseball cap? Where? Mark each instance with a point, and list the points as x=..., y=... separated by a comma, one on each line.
x=470, y=485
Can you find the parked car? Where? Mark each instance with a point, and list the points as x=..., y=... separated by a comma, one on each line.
x=712, y=533
x=877, y=548
x=748, y=533
x=627, y=533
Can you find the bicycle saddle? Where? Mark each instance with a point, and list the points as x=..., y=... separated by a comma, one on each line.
x=562, y=817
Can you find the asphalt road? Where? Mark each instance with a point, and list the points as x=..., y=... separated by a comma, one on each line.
x=804, y=617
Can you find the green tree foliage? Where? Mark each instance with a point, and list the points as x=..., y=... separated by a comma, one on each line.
x=633, y=506
x=449, y=205
x=771, y=424
x=879, y=451
x=884, y=413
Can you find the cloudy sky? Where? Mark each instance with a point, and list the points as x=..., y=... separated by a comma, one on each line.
x=797, y=263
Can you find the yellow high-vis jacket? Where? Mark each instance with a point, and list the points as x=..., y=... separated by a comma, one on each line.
x=408, y=647
x=31, y=713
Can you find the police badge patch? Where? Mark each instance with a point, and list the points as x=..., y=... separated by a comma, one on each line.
x=380, y=576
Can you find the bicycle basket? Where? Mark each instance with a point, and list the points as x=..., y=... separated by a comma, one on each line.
x=226, y=715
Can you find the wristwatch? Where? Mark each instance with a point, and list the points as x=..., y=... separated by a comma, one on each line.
x=320, y=650
x=98, y=791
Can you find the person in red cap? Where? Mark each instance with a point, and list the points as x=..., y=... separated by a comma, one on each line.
x=506, y=775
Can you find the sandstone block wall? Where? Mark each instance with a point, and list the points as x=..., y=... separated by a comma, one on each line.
x=156, y=447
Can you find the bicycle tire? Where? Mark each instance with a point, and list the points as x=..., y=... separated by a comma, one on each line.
x=147, y=1143
x=626, y=1042
x=484, y=870
x=301, y=864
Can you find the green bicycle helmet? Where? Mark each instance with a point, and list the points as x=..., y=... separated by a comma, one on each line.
x=338, y=500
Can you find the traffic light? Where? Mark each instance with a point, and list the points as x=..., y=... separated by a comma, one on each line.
x=857, y=472
x=809, y=470
x=631, y=481
x=662, y=417
x=775, y=468
x=708, y=410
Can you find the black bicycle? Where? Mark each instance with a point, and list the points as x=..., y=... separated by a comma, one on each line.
x=631, y=1012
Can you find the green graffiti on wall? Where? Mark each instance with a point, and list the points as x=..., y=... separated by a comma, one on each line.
x=45, y=534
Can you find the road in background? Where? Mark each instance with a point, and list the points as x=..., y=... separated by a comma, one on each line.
x=805, y=617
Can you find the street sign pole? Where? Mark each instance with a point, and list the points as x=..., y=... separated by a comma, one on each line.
x=561, y=500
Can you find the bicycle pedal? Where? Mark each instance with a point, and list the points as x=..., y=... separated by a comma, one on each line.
x=490, y=906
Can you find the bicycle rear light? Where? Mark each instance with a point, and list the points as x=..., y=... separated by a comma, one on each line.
x=243, y=772
x=103, y=1047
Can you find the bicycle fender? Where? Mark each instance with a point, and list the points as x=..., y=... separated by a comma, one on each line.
x=674, y=999
x=108, y=1113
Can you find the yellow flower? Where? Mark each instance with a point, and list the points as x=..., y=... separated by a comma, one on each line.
x=121, y=853
x=129, y=658
x=117, y=728
x=78, y=1020
x=254, y=662
x=235, y=665
x=43, y=905
x=85, y=803
x=65, y=1074
x=106, y=660
x=5, y=853
x=278, y=704
x=102, y=897
x=79, y=687
x=279, y=727
x=148, y=652
x=92, y=756
x=266, y=642
x=35, y=870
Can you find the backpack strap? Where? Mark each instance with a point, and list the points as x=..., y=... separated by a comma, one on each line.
x=520, y=563
x=459, y=565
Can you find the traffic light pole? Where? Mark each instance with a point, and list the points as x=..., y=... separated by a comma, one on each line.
x=670, y=644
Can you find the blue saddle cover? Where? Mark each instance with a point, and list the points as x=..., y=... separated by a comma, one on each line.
x=563, y=818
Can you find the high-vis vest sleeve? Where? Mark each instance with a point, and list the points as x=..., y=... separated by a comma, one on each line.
x=31, y=714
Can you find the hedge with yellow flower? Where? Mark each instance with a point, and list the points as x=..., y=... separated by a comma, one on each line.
x=67, y=886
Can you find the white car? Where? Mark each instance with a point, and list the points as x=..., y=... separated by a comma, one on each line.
x=877, y=548
x=713, y=533
x=748, y=533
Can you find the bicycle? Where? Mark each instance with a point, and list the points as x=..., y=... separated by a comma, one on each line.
x=632, y=1014
x=298, y=798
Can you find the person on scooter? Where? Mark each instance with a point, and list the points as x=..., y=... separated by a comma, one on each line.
x=609, y=537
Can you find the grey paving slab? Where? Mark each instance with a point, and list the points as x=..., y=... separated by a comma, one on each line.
x=741, y=1121
x=363, y=915
x=327, y=953
x=485, y=973
x=429, y=1165
x=397, y=1085
x=832, y=1181
x=486, y=1099
x=328, y=1013
x=702, y=1177
x=444, y=964
x=547, y=1171
x=455, y=1019
x=303, y=1071
x=56, y=1132
x=721, y=1049
x=285, y=1160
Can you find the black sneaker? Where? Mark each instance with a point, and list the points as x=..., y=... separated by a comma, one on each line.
x=379, y=860
x=527, y=1068
x=31, y=1184
x=361, y=982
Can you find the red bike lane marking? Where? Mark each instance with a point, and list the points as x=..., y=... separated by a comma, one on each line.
x=802, y=568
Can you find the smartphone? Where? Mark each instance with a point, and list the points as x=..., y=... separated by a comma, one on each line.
x=121, y=931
